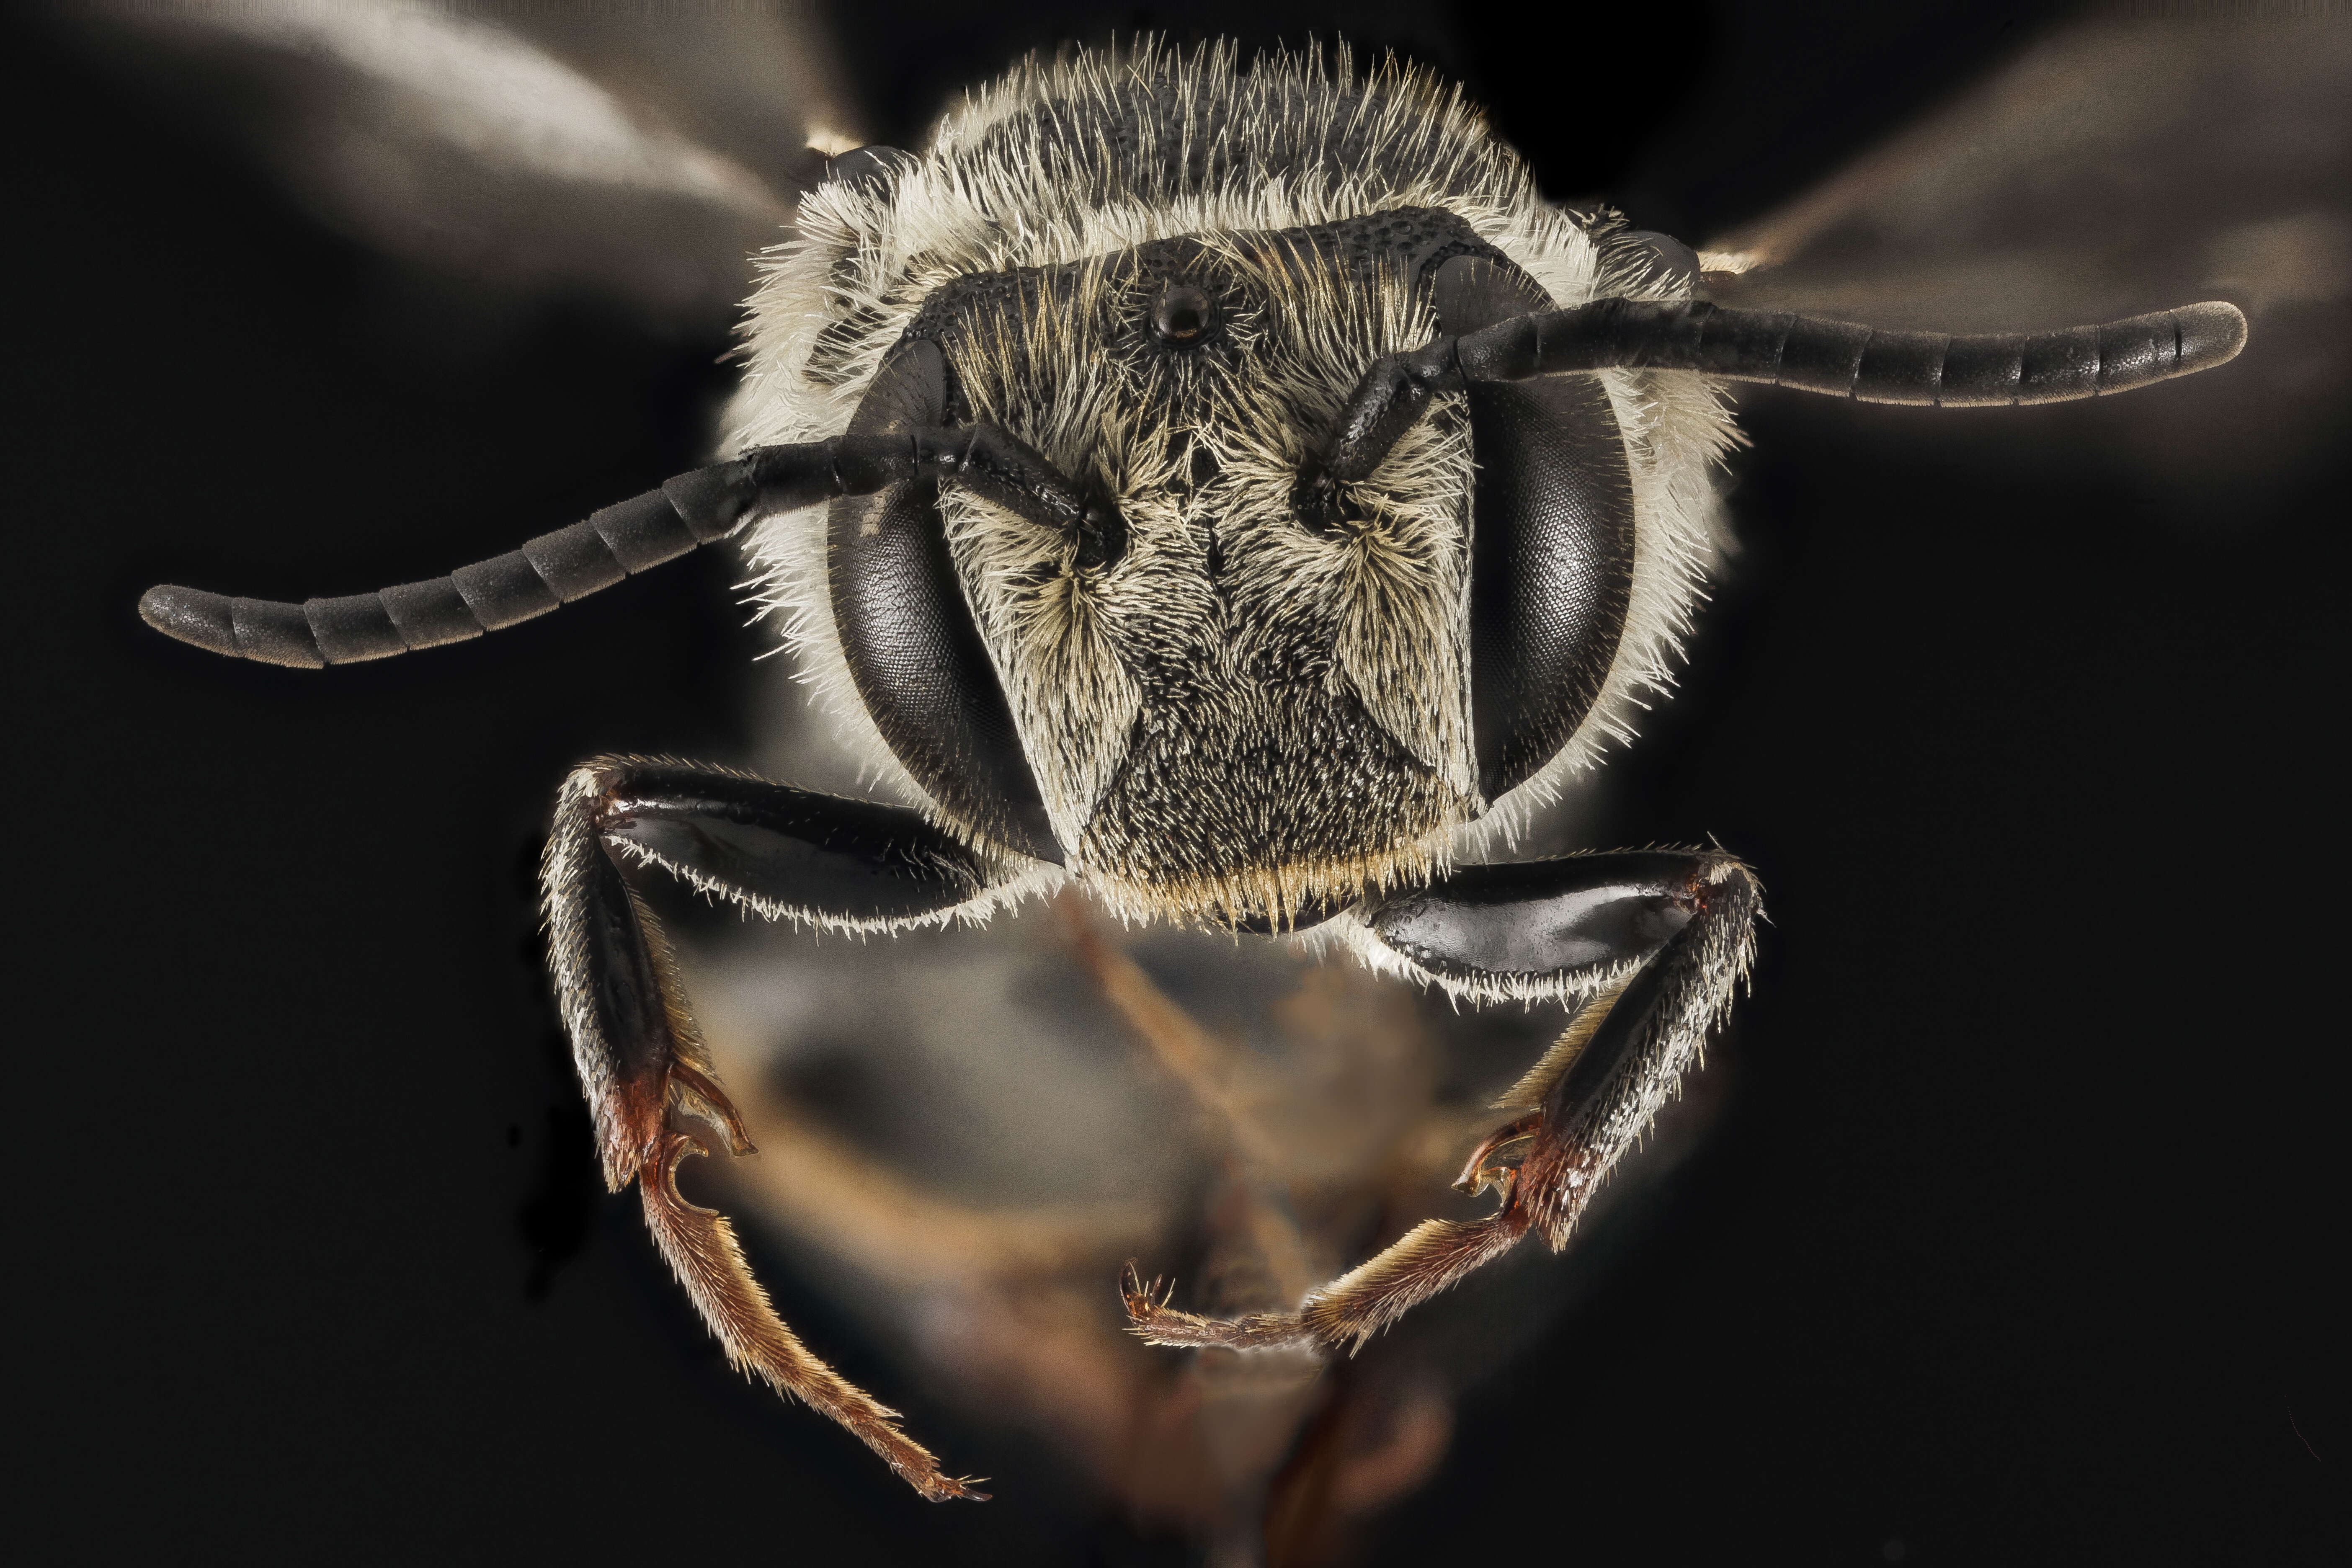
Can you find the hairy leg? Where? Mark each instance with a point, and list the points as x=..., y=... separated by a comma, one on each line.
x=787, y=854
x=1650, y=943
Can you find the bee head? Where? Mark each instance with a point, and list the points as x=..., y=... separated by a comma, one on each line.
x=1245, y=690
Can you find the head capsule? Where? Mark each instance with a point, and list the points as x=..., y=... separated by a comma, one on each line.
x=1239, y=697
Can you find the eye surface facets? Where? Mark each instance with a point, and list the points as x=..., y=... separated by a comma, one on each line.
x=1181, y=316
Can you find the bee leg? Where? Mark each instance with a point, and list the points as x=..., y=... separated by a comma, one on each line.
x=1483, y=1168
x=787, y=854
x=1648, y=945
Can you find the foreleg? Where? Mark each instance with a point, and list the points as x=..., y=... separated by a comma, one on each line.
x=1647, y=945
x=787, y=854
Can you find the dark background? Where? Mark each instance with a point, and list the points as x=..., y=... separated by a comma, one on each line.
x=2015, y=1246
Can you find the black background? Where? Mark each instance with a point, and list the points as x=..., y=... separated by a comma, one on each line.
x=2015, y=1247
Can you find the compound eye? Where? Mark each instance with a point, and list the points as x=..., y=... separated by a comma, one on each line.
x=906, y=631
x=1551, y=539
x=1181, y=316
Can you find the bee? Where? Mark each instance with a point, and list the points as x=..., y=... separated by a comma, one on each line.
x=1227, y=490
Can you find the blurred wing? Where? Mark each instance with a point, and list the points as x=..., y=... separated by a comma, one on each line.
x=645, y=152
x=2113, y=167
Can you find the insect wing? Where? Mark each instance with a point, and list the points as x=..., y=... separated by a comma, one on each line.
x=644, y=154
x=2111, y=167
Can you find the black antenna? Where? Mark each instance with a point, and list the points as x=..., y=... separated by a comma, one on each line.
x=1838, y=359
x=572, y=562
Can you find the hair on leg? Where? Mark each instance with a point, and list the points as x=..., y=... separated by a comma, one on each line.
x=785, y=853
x=1654, y=942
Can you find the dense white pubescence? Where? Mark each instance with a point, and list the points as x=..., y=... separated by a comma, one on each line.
x=1223, y=700
x=1024, y=175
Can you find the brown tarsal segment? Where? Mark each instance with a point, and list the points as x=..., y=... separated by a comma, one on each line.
x=1426, y=1260
x=1429, y=1259
x=1349, y=1311
x=1156, y=1322
x=701, y=1249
